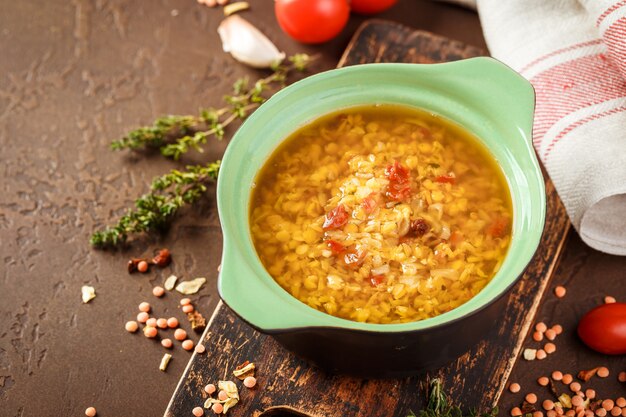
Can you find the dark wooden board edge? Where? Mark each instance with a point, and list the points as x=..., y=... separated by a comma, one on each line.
x=476, y=380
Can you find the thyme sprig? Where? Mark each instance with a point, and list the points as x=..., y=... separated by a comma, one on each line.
x=439, y=405
x=168, y=193
x=176, y=135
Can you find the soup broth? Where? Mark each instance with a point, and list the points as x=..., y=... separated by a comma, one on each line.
x=381, y=214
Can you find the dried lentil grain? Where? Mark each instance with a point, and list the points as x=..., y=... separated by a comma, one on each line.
x=516, y=412
x=537, y=336
x=543, y=381
x=603, y=372
x=550, y=348
x=166, y=343
x=609, y=300
x=158, y=291
x=142, y=266
x=90, y=412
x=222, y=395
x=514, y=387
x=161, y=323
x=560, y=291
x=145, y=307
x=621, y=377
x=589, y=393
x=131, y=326
x=616, y=411
x=541, y=354
x=172, y=322
x=217, y=408
x=152, y=322
x=180, y=334
x=548, y=405
x=567, y=379
x=198, y=411
x=557, y=375
x=249, y=382
x=541, y=327
x=620, y=402
x=531, y=398
x=575, y=386
x=188, y=308
x=185, y=301
x=210, y=389
x=188, y=344
x=608, y=404
x=143, y=317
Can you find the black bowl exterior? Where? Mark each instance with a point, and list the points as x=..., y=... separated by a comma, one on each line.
x=372, y=354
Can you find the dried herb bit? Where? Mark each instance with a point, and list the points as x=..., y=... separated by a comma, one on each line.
x=163, y=258
x=198, y=322
x=244, y=370
x=176, y=135
x=133, y=265
x=154, y=210
x=587, y=375
x=439, y=405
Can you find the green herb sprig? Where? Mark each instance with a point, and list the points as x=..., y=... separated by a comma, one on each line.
x=439, y=405
x=176, y=135
x=153, y=210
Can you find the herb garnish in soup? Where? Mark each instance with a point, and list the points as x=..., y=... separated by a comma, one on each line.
x=381, y=214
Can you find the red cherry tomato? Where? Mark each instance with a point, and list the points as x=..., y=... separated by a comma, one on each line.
x=603, y=329
x=371, y=6
x=312, y=21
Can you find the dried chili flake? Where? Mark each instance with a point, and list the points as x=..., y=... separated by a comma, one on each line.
x=498, y=227
x=587, y=375
x=133, y=264
x=244, y=370
x=446, y=179
x=399, y=188
x=336, y=218
x=335, y=247
x=376, y=280
x=369, y=205
x=163, y=258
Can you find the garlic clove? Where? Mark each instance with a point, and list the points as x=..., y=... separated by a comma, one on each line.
x=247, y=44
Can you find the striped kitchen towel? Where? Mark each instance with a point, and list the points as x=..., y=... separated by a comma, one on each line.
x=574, y=54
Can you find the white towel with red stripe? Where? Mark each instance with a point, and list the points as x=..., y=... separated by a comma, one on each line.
x=574, y=54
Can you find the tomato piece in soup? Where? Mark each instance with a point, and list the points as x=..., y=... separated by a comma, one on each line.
x=336, y=218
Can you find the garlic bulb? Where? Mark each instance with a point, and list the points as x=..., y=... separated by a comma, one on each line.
x=247, y=44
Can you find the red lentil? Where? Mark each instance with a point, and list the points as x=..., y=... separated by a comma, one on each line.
x=531, y=398
x=541, y=354
x=200, y=348
x=551, y=413
x=90, y=412
x=550, y=348
x=514, y=387
x=603, y=372
x=150, y=332
x=543, y=381
x=180, y=334
x=616, y=411
x=558, y=329
x=516, y=412
x=541, y=327
x=601, y=412
x=570, y=413
x=188, y=344
x=187, y=308
x=166, y=343
x=557, y=375
x=550, y=334
x=623, y=412
x=560, y=291
x=577, y=400
x=145, y=307
x=217, y=408
x=131, y=326
x=567, y=379
x=172, y=322
x=608, y=404
x=185, y=301
x=161, y=323
x=249, y=382
x=143, y=317
x=537, y=336
x=588, y=413
x=210, y=389
x=621, y=377
x=548, y=404
x=609, y=300
x=575, y=386
x=538, y=414
x=198, y=411
x=152, y=322
x=222, y=396
x=621, y=402
x=589, y=393
x=142, y=266
x=158, y=291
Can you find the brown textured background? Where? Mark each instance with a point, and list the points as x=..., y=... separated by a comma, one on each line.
x=73, y=76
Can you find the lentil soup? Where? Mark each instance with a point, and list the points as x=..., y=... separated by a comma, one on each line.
x=381, y=214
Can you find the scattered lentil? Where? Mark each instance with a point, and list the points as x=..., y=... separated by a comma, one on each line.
x=601, y=412
x=541, y=354
x=90, y=412
x=557, y=375
x=550, y=348
x=150, y=332
x=548, y=404
x=609, y=300
x=152, y=322
x=558, y=329
x=172, y=322
x=198, y=411
x=210, y=389
x=188, y=344
x=217, y=408
x=616, y=411
x=622, y=376
x=180, y=334
x=538, y=414
x=145, y=307
x=142, y=266
x=608, y=404
x=603, y=372
x=200, y=348
x=560, y=291
x=531, y=398
x=537, y=336
x=143, y=317
x=161, y=323
x=131, y=326
x=516, y=412
x=166, y=343
x=250, y=382
x=550, y=334
x=514, y=387
x=575, y=386
x=187, y=308
x=589, y=393
x=541, y=327
x=620, y=402
x=567, y=379
x=185, y=301
x=158, y=291
x=577, y=400
x=222, y=395
x=543, y=381
x=551, y=413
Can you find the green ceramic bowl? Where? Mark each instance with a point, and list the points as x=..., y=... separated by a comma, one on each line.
x=480, y=94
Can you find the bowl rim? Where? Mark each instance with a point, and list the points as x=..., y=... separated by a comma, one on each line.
x=321, y=319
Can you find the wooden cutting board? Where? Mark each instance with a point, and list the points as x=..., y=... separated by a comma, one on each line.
x=289, y=386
